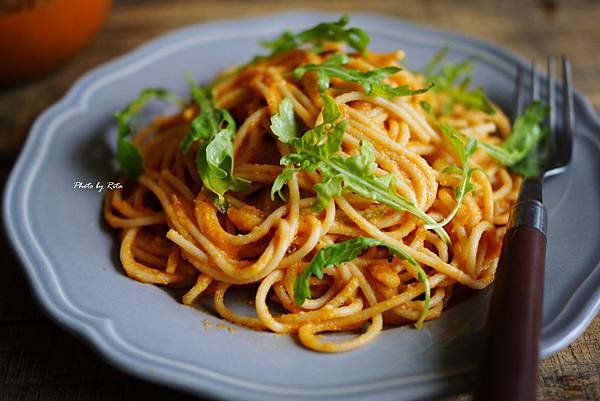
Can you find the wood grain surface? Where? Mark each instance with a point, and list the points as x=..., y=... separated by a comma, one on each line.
x=40, y=361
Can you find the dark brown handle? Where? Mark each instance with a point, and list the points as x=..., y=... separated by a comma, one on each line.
x=509, y=365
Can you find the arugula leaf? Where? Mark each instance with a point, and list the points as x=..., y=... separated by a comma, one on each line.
x=331, y=111
x=427, y=107
x=345, y=252
x=129, y=157
x=285, y=127
x=529, y=167
x=516, y=151
x=464, y=148
x=282, y=179
x=454, y=81
x=216, y=128
x=283, y=123
x=318, y=149
x=371, y=81
x=317, y=35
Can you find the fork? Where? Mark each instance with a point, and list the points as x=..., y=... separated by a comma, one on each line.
x=508, y=369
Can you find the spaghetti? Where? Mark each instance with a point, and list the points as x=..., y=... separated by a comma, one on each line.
x=176, y=232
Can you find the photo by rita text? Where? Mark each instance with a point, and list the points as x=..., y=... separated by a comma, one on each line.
x=98, y=186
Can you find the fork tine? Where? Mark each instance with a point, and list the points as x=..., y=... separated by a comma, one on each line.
x=535, y=85
x=518, y=93
x=550, y=103
x=550, y=88
x=567, y=109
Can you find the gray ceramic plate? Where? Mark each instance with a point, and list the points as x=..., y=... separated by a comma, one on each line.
x=70, y=257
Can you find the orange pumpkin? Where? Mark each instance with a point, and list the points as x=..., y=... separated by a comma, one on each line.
x=39, y=36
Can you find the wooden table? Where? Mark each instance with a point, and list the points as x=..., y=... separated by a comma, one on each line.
x=40, y=361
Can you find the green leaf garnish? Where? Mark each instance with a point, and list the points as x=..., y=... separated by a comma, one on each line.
x=454, y=81
x=319, y=149
x=280, y=181
x=283, y=123
x=371, y=81
x=346, y=251
x=517, y=151
x=317, y=35
x=129, y=157
x=215, y=128
x=464, y=148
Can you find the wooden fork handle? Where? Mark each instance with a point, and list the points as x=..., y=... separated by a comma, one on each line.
x=509, y=366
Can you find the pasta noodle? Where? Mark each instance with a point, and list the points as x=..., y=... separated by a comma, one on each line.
x=173, y=233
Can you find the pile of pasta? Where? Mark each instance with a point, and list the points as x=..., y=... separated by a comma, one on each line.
x=174, y=233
